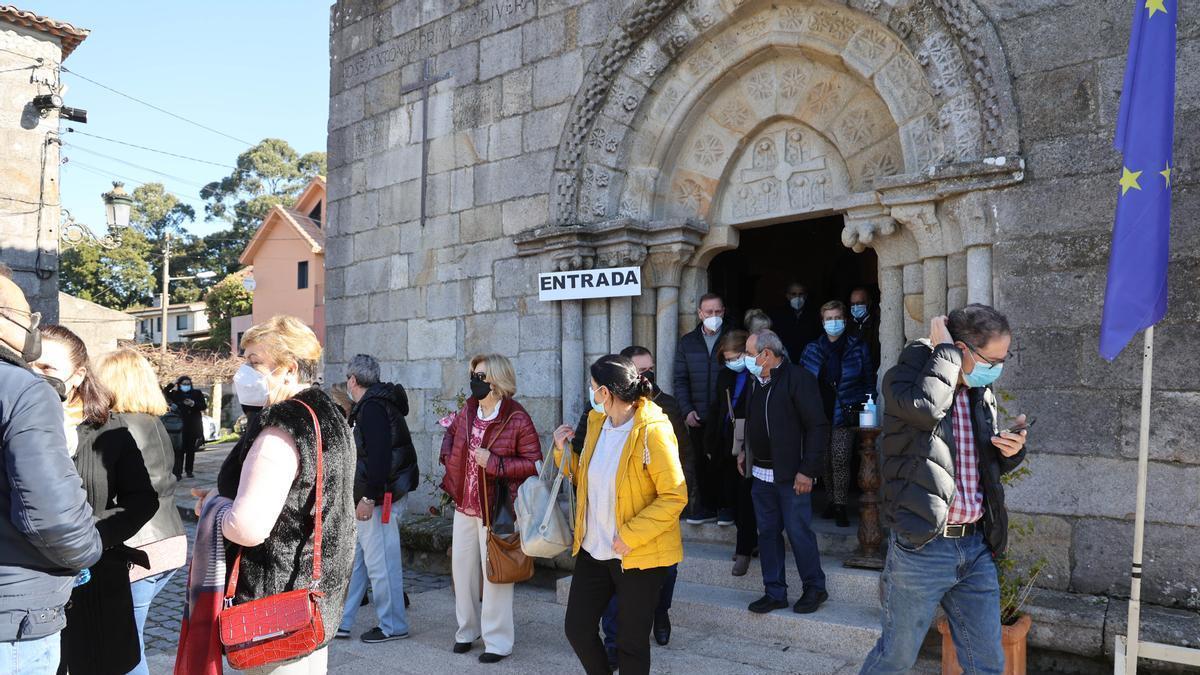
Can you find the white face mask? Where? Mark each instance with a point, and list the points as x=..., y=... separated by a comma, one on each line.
x=250, y=386
x=713, y=323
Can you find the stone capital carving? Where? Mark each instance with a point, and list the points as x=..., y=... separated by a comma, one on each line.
x=864, y=223
x=920, y=219
x=665, y=263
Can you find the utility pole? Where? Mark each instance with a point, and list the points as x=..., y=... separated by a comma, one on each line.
x=166, y=283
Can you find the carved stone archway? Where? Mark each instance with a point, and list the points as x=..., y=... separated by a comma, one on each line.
x=700, y=117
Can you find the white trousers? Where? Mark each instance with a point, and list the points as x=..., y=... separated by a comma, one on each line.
x=491, y=619
x=316, y=663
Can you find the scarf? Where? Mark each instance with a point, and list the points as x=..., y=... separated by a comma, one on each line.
x=72, y=418
x=199, y=651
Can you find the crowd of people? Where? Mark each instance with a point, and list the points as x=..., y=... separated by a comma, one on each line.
x=304, y=513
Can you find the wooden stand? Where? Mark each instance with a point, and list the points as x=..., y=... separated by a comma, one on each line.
x=870, y=533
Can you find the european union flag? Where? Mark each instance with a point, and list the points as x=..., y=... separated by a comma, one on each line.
x=1136, y=297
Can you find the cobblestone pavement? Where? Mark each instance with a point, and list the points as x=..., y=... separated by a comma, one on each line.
x=162, y=624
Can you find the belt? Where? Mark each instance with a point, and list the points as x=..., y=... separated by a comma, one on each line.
x=960, y=531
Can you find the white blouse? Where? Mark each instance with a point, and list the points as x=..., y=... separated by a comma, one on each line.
x=602, y=490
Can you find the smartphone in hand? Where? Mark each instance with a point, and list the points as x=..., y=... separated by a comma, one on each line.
x=1029, y=422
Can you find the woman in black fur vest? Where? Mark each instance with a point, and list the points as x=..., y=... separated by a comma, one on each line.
x=270, y=479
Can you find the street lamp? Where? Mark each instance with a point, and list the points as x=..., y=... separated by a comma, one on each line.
x=117, y=205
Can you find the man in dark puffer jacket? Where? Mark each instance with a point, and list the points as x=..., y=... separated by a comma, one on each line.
x=386, y=472
x=943, y=455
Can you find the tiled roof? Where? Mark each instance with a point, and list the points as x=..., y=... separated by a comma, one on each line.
x=69, y=35
x=308, y=227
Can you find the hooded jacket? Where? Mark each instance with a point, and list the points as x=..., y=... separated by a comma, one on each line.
x=650, y=489
x=46, y=529
x=387, y=460
x=920, y=454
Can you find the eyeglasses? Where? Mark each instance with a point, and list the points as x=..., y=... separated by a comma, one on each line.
x=997, y=362
x=35, y=318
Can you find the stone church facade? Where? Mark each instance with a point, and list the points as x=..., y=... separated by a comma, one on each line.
x=965, y=143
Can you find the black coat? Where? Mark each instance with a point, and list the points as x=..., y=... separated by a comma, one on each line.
x=46, y=531
x=796, y=330
x=190, y=406
x=386, y=458
x=920, y=454
x=696, y=369
x=718, y=429
x=158, y=456
x=799, y=429
x=101, y=636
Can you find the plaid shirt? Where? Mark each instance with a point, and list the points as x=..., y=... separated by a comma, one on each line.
x=967, y=506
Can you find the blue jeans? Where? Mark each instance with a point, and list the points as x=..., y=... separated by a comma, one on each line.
x=778, y=508
x=377, y=556
x=144, y=591
x=665, y=594
x=31, y=657
x=961, y=576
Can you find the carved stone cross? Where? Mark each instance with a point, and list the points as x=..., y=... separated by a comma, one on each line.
x=804, y=180
x=427, y=80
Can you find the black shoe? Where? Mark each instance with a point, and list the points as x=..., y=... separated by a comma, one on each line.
x=810, y=601
x=767, y=604
x=178, y=476
x=488, y=657
x=839, y=516
x=462, y=647
x=612, y=659
x=342, y=634
x=376, y=635
x=662, y=629
x=701, y=517
x=725, y=517
x=191, y=475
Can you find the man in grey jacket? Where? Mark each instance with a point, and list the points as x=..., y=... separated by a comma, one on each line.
x=46, y=530
x=943, y=456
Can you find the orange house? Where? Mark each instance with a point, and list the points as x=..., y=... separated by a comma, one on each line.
x=288, y=259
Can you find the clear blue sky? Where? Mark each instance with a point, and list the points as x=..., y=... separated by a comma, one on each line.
x=251, y=70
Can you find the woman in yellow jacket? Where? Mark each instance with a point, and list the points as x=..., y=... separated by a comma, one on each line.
x=630, y=492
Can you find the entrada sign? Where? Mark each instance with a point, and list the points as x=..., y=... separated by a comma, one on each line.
x=614, y=282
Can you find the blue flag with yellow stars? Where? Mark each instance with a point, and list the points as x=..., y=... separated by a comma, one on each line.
x=1136, y=296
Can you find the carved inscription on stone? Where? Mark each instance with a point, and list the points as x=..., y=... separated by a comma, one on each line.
x=367, y=138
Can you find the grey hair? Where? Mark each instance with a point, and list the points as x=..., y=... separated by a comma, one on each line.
x=756, y=320
x=977, y=325
x=767, y=339
x=364, y=368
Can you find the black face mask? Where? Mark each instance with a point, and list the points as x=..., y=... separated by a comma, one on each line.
x=59, y=386
x=480, y=389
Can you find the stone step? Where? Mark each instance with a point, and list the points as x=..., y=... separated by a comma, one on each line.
x=831, y=539
x=838, y=628
x=710, y=564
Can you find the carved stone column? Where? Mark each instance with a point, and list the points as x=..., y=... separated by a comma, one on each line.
x=979, y=274
x=620, y=323
x=934, y=276
x=643, y=317
x=571, y=320
x=891, y=317
x=664, y=271
x=595, y=329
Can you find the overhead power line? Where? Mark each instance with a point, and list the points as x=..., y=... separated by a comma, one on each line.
x=73, y=130
x=151, y=105
x=75, y=146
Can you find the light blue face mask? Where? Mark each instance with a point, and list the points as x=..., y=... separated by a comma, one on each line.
x=752, y=365
x=592, y=399
x=185, y=387
x=858, y=311
x=984, y=374
x=835, y=327
x=736, y=365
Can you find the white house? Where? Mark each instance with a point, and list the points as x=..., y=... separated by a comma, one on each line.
x=186, y=322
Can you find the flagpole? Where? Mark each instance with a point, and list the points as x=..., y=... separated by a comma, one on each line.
x=1132, y=641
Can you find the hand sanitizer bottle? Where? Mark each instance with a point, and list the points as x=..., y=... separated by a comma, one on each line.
x=866, y=417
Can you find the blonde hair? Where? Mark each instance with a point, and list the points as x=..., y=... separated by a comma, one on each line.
x=499, y=373
x=132, y=381
x=287, y=342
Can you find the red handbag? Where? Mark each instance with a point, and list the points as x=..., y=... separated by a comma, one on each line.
x=279, y=627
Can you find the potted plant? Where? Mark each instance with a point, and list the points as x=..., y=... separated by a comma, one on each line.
x=1017, y=579
x=445, y=417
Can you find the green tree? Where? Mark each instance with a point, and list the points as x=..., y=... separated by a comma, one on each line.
x=270, y=173
x=120, y=278
x=226, y=299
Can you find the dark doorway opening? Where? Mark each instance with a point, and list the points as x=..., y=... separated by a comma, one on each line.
x=757, y=273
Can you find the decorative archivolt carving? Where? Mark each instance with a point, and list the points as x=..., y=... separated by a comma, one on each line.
x=653, y=34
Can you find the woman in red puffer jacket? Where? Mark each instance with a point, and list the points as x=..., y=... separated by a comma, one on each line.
x=491, y=439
